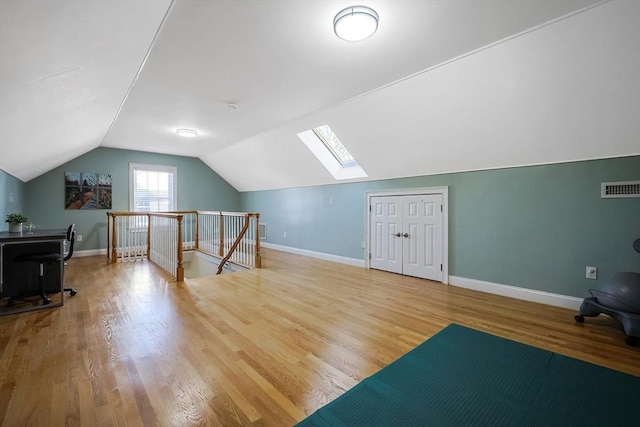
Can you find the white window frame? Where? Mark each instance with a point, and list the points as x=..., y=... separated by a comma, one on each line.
x=158, y=168
x=328, y=159
x=334, y=145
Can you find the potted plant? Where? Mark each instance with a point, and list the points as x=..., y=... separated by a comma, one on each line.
x=15, y=221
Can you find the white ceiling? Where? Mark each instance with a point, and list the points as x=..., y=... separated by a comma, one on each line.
x=67, y=66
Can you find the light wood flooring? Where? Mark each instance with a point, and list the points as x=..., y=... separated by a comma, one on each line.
x=262, y=347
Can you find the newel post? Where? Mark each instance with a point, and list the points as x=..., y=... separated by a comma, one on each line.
x=221, y=248
x=180, y=269
x=258, y=259
x=197, y=230
x=114, y=237
x=149, y=237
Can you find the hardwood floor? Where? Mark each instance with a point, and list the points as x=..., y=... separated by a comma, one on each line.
x=261, y=347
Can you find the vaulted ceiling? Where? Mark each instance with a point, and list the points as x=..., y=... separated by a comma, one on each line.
x=442, y=86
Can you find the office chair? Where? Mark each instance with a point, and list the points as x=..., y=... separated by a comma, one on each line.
x=43, y=259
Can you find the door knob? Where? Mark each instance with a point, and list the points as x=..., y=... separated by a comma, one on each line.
x=406, y=235
x=397, y=234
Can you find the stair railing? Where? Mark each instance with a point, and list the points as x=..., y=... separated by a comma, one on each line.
x=162, y=237
x=165, y=243
x=230, y=236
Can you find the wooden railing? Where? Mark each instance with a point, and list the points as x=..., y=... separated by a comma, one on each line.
x=232, y=236
x=163, y=237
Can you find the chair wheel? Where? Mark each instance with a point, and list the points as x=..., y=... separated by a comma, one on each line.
x=632, y=341
x=579, y=318
x=73, y=292
x=11, y=303
x=46, y=301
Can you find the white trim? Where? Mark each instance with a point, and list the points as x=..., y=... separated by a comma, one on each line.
x=532, y=295
x=159, y=168
x=443, y=191
x=320, y=255
x=90, y=252
x=525, y=294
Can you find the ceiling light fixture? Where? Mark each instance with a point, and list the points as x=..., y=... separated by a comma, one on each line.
x=355, y=23
x=187, y=133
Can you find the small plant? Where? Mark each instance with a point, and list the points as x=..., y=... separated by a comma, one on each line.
x=16, y=218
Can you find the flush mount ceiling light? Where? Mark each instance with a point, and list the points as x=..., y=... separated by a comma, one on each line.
x=187, y=133
x=355, y=23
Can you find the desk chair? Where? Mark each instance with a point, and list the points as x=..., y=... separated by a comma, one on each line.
x=43, y=259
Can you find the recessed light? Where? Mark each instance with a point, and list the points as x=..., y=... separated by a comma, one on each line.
x=187, y=133
x=355, y=23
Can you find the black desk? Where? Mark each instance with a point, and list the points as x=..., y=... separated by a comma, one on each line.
x=21, y=279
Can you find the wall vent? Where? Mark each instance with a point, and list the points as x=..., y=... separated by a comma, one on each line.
x=615, y=190
x=263, y=231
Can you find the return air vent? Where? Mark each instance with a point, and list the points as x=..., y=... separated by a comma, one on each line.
x=615, y=190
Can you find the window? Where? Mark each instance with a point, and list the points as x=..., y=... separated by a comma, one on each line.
x=329, y=150
x=333, y=144
x=152, y=188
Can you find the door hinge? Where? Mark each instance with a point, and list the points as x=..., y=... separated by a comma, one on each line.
x=369, y=208
x=369, y=255
x=441, y=208
x=440, y=267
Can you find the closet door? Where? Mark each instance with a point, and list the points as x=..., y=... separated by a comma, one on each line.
x=422, y=236
x=386, y=234
x=406, y=235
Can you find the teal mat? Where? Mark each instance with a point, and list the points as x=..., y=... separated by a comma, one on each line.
x=461, y=376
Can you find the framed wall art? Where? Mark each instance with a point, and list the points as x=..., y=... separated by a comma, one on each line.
x=87, y=190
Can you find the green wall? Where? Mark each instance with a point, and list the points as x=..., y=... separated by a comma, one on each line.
x=198, y=188
x=12, y=192
x=534, y=227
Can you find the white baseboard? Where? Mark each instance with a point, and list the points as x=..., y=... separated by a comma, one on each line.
x=532, y=295
x=525, y=294
x=313, y=254
x=90, y=252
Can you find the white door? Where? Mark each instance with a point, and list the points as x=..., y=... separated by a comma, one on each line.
x=406, y=235
x=386, y=234
x=422, y=236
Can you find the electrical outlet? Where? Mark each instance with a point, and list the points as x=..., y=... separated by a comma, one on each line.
x=79, y=238
x=592, y=273
x=285, y=235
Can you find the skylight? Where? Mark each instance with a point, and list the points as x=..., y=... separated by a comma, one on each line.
x=333, y=144
x=329, y=150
